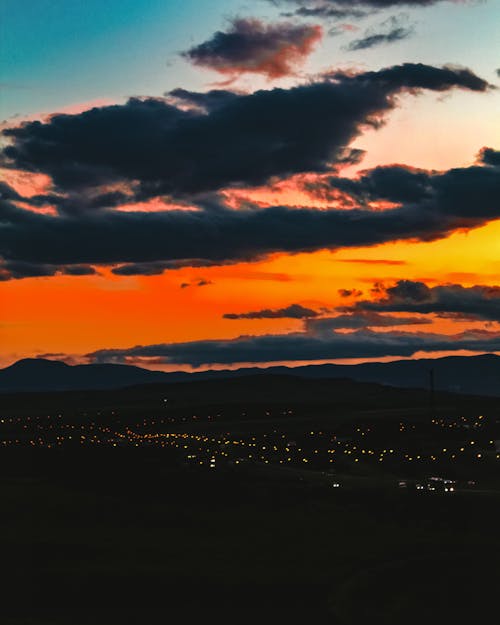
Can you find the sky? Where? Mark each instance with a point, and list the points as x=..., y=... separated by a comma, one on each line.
x=190, y=185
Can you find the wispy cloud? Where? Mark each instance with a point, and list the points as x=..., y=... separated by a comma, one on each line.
x=394, y=29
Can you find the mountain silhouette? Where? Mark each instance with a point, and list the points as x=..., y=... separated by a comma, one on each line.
x=478, y=375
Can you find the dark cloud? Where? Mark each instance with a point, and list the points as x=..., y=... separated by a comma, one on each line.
x=339, y=9
x=155, y=268
x=380, y=4
x=477, y=302
x=358, y=320
x=394, y=183
x=152, y=242
x=294, y=311
x=79, y=270
x=317, y=323
x=204, y=102
x=303, y=346
x=251, y=46
x=489, y=156
x=466, y=193
x=17, y=270
x=326, y=12
x=350, y=293
x=418, y=76
x=8, y=193
x=155, y=147
x=390, y=31
x=84, y=201
x=370, y=41
x=141, y=269
x=409, y=290
x=152, y=146
x=201, y=282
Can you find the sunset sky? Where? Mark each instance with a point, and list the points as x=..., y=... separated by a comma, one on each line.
x=189, y=184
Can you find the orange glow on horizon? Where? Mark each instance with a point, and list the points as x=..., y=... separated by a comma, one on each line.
x=77, y=315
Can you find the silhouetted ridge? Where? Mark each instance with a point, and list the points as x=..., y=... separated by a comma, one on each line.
x=459, y=374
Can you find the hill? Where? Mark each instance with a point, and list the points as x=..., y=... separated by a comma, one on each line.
x=39, y=374
x=269, y=398
x=478, y=375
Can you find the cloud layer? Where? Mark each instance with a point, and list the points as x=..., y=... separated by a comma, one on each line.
x=477, y=302
x=157, y=146
x=351, y=333
x=302, y=346
x=193, y=144
x=430, y=205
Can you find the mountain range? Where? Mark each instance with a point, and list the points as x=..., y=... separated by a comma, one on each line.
x=479, y=375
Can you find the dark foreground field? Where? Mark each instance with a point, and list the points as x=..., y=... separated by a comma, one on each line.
x=127, y=539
